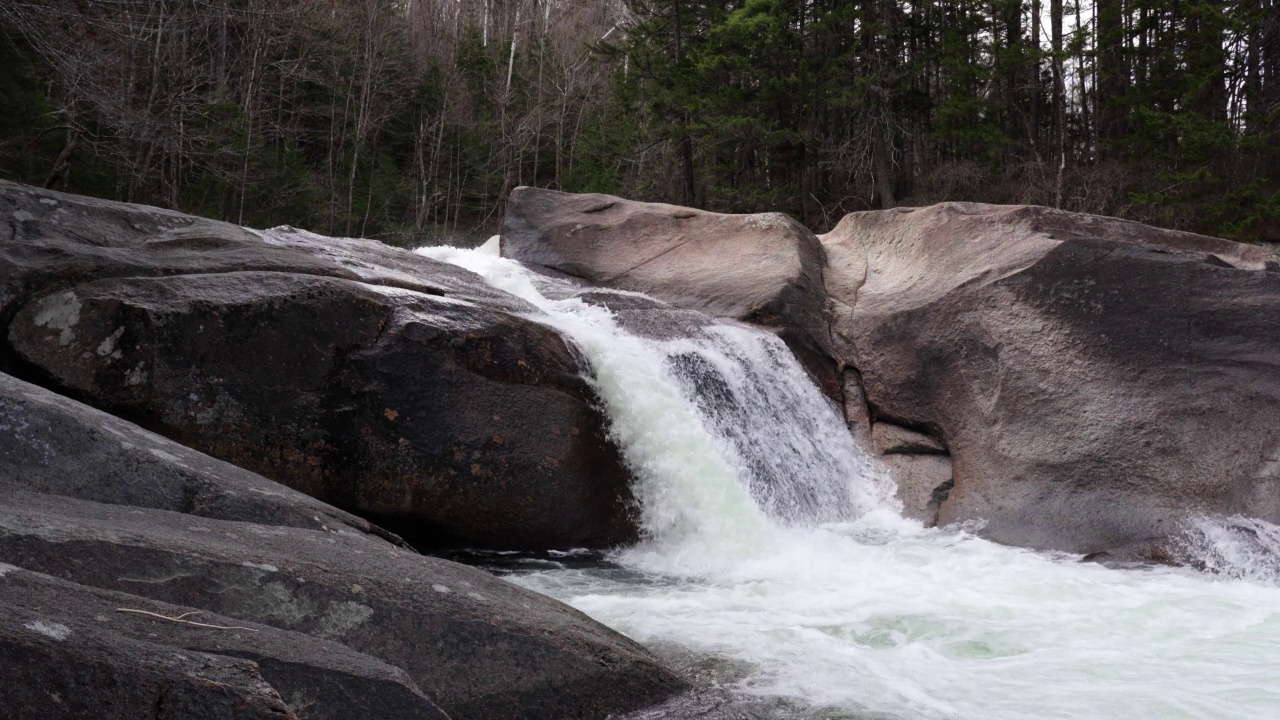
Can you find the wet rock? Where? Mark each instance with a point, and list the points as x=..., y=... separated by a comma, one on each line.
x=765, y=269
x=475, y=645
x=890, y=439
x=1140, y=553
x=377, y=380
x=854, y=405
x=110, y=508
x=87, y=652
x=1095, y=380
x=64, y=240
x=924, y=482
x=114, y=679
x=55, y=445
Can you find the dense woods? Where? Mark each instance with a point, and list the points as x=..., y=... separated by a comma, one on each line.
x=410, y=120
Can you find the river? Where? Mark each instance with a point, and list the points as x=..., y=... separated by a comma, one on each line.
x=777, y=569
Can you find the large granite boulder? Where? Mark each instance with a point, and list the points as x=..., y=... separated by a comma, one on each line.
x=475, y=645
x=54, y=445
x=70, y=650
x=313, y=612
x=381, y=381
x=765, y=269
x=1095, y=381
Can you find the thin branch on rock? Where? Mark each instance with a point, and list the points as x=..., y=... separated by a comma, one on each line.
x=182, y=619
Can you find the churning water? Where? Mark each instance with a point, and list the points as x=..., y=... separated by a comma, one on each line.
x=776, y=564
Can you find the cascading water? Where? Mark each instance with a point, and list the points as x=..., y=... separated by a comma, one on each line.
x=728, y=438
x=1235, y=547
x=789, y=443
x=775, y=556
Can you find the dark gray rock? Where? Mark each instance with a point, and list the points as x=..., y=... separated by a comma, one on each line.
x=1094, y=380
x=1163, y=550
x=309, y=579
x=854, y=401
x=54, y=240
x=764, y=269
x=55, y=445
x=377, y=380
x=475, y=645
x=48, y=679
x=86, y=652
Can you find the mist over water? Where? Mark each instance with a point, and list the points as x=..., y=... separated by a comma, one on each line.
x=775, y=559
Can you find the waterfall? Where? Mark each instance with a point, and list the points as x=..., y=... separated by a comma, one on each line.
x=725, y=433
x=776, y=564
x=789, y=442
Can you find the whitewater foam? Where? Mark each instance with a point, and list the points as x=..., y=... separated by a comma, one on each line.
x=1234, y=547
x=662, y=437
x=774, y=546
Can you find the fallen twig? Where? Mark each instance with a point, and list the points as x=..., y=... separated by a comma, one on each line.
x=182, y=619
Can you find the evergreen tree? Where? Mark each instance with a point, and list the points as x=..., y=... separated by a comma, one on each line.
x=411, y=120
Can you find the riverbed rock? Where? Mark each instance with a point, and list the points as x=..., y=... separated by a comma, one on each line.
x=110, y=677
x=54, y=445
x=343, y=621
x=890, y=439
x=765, y=269
x=1095, y=381
x=71, y=650
x=53, y=240
x=386, y=383
x=923, y=483
x=918, y=465
x=475, y=645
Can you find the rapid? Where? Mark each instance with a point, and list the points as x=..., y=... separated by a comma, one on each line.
x=776, y=565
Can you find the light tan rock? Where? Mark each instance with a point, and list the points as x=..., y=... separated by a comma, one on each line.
x=765, y=269
x=1096, y=380
x=923, y=484
x=890, y=439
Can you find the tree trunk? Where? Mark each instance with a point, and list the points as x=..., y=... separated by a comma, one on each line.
x=882, y=158
x=1059, y=98
x=1113, y=79
x=688, y=187
x=1034, y=61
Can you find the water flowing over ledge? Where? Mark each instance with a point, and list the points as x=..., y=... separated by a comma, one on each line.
x=773, y=547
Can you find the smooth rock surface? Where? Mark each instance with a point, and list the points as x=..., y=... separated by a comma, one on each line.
x=765, y=269
x=87, y=652
x=890, y=439
x=53, y=240
x=345, y=624
x=475, y=645
x=377, y=380
x=55, y=445
x=1094, y=380
x=114, y=679
x=924, y=482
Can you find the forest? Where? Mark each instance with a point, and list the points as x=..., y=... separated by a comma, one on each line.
x=411, y=120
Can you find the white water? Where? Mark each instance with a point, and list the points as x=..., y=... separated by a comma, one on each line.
x=773, y=547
